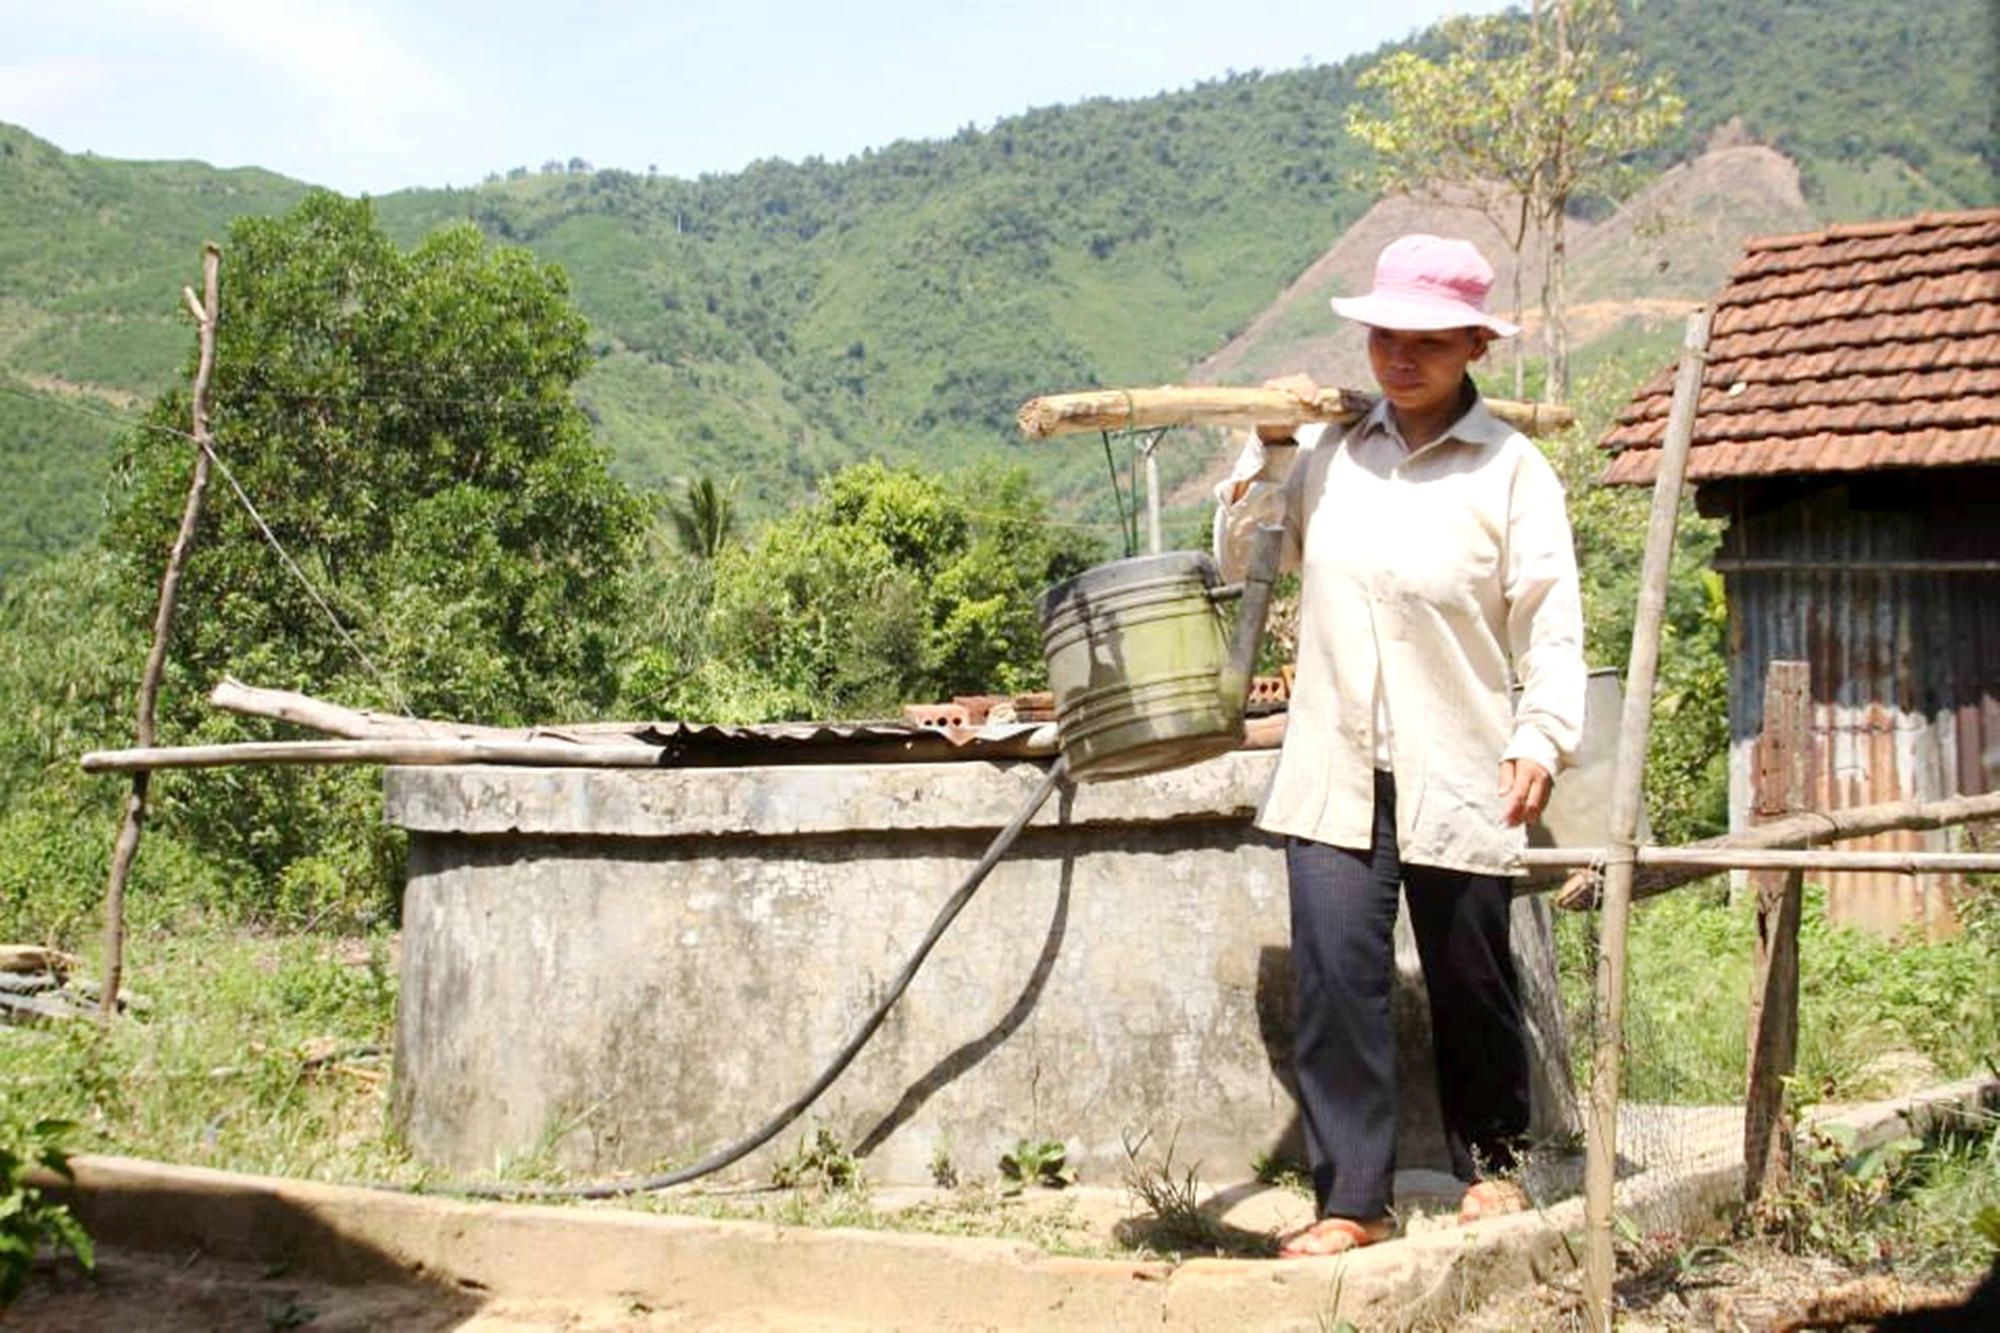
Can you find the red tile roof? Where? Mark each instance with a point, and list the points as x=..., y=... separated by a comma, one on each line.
x=1868, y=346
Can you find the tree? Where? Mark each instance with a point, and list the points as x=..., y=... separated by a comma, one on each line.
x=1528, y=114
x=705, y=518
x=403, y=423
x=1687, y=759
x=890, y=587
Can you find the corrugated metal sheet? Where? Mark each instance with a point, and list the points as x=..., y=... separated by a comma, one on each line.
x=1893, y=600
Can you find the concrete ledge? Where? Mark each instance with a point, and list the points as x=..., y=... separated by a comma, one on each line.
x=723, y=1275
x=787, y=801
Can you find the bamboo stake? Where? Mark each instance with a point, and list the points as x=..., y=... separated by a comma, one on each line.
x=127, y=848
x=1215, y=405
x=412, y=750
x=1628, y=791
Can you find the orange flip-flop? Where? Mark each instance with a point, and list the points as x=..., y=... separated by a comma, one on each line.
x=1334, y=1235
x=1485, y=1199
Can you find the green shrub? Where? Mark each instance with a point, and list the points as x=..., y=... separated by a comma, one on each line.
x=1688, y=989
x=27, y=1219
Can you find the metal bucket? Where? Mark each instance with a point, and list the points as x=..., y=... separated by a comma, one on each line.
x=1579, y=810
x=1138, y=655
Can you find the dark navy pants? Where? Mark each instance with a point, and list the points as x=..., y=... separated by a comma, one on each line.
x=1343, y=964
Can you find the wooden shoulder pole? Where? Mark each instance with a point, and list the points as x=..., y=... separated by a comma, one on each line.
x=1224, y=405
x=1627, y=795
x=127, y=848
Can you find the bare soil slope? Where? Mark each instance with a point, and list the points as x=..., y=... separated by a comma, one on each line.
x=1637, y=272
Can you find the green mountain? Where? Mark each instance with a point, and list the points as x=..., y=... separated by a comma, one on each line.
x=775, y=323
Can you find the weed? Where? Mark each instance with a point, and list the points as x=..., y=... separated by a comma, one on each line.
x=1176, y=1221
x=1042, y=1162
x=821, y=1162
x=1175, y=1217
x=288, y=1316
x=1330, y=1319
x=542, y=1160
x=1987, y=1225
x=981, y=1209
x=1836, y=1198
x=1861, y=998
x=226, y=1067
x=1946, y=1219
x=27, y=1220
x=1283, y=1173
x=944, y=1173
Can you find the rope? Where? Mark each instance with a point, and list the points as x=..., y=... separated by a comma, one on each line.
x=1128, y=517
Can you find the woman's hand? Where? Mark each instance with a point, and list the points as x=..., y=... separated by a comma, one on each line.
x=1300, y=387
x=1524, y=791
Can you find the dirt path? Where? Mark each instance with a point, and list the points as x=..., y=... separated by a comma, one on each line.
x=144, y=1292
x=131, y=1291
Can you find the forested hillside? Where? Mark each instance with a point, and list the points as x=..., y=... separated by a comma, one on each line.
x=778, y=322
x=93, y=254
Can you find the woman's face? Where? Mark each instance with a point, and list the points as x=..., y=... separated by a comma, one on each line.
x=1420, y=370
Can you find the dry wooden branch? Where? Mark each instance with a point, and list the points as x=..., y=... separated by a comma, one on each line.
x=233, y=696
x=1863, y=1302
x=1212, y=405
x=1704, y=861
x=35, y=958
x=1580, y=890
x=126, y=849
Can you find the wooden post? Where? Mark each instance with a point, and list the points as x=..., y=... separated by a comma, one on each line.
x=1627, y=795
x=1783, y=786
x=127, y=848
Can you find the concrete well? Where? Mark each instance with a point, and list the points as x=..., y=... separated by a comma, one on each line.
x=629, y=968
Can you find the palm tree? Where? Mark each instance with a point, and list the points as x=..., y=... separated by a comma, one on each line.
x=705, y=518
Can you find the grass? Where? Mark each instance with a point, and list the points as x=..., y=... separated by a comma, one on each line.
x=1870, y=1008
x=265, y=1053
x=252, y=1052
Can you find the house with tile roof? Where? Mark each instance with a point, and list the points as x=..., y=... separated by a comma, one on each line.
x=1848, y=431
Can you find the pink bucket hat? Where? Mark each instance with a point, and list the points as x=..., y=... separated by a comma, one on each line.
x=1427, y=282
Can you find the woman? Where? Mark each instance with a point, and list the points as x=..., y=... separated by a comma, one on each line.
x=1437, y=573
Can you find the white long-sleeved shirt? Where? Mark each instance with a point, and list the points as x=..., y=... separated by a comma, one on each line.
x=1431, y=582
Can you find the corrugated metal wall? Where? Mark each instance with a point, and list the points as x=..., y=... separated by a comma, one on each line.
x=1888, y=586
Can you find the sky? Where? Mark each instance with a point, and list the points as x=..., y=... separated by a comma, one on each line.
x=374, y=96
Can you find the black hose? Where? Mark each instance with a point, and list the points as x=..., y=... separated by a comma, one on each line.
x=715, y=1161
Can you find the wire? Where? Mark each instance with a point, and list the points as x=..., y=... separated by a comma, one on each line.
x=382, y=678
x=291, y=566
